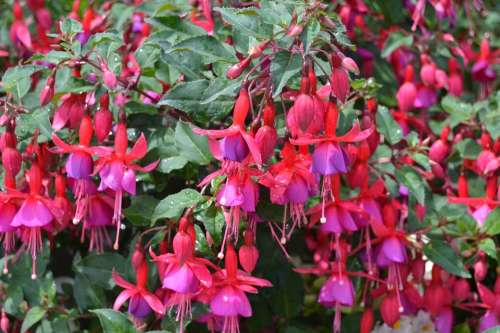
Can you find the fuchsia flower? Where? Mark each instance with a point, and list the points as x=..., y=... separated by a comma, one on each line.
x=8, y=211
x=234, y=143
x=231, y=285
x=80, y=164
x=19, y=33
x=35, y=213
x=183, y=273
x=117, y=170
x=266, y=136
x=291, y=183
x=490, y=300
x=70, y=111
x=141, y=301
x=337, y=291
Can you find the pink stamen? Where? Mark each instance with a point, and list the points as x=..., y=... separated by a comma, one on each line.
x=82, y=201
x=231, y=325
x=117, y=217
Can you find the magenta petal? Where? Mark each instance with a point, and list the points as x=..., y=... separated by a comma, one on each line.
x=328, y=159
x=100, y=213
x=332, y=221
x=372, y=208
x=394, y=250
x=234, y=148
x=111, y=176
x=481, y=214
x=337, y=289
x=297, y=191
x=33, y=213
x=487, y=321
x=230, y=194
x=346, y=220
x=79, y=165
x=181, y=279
x=129, y=182
x=122, y=298
x=444, y=320
x=229, y=302
x=250, y=192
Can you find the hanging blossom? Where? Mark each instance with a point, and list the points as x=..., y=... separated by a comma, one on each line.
x=182, y=272
x=117, y=170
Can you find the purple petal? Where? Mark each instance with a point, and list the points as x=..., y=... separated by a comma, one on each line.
x=181, y=279
x=329, y=159
x=394, y=250
x=444, y=320
x=481, y=214
x=129, y=182
x=332, y=221
x=346, y=220
x=79, y=165
x=138, y=306
x=250, y=192
x=373, y=209
x=487, y=321
x=230, y=194
x=337, y=289
x=33, y=213
x=234, y=148
x=111, y=176
x=297, y=191
x=229, y=302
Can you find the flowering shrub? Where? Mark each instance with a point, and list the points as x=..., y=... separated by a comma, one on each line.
x=269, y=166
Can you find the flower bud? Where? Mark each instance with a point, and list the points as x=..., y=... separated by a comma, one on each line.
x=241, y=107
x=350, y=65
x=4, y=322
x=235, y=71
x=11, y=160
x=47, y=92
x=367, y=320
x=248, y=253
x=461, y=290
x=480, y=268
x=389, y=309
x=103, y=120
x=438, y=151
x=294, y=30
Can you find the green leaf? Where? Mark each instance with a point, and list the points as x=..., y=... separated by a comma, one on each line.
x=310, y=32
x=113, y=321
x=488, y=246
x=147, y=55
x=468, y=148
x=141, y=210
x=70, y=27
x=192, y=147
x=387, y=126
x=492, y=224
x=422, y=160
x=207, y=47
x=173, y=205
x=189, y=96
x=34, y=315
x=459, y=111
x=98, y=267
x=395, y=40
x=441, y=253
x=247, y=20
x=413, y=181
x=39, y=118
x=172, y=163
x=284, y=66
x=17, y=80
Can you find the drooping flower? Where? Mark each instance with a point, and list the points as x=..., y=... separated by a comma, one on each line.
x=80, y=164
x=230, y=300
x=141, y=300
x=182, y=272
x=117, y=170
x=407, y=93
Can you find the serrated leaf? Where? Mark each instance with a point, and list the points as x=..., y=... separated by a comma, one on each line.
x=17, y=80
x=173, y=205
x=70, y=27
x=284, y=66
x=396, y=40
x=34, y=315
x=114, y=322
x=441, y=253
x=207, y=47
x=191, y=146
x=147, y=55
x=459, y=111
x=387, y=126
x=247, y=20
x=492, y=224
x=172, y=163
x=97, y=268
x=488, y=246
x=413, y=181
